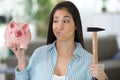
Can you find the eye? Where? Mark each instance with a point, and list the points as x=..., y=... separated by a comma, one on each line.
x=66, y=21
x=55, y=21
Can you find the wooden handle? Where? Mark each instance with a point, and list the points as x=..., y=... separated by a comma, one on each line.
x=95, y=47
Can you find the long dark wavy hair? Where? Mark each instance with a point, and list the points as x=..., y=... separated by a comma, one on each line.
x=72, y=9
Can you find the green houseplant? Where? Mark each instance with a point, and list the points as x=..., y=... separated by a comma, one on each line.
x=104, y=8
x=38, y=12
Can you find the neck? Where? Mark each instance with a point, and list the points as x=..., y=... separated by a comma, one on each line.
x=65, y=47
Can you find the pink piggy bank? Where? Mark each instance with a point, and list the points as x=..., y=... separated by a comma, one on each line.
x=17, y=33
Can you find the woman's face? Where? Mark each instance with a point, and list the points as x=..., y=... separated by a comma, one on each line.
x=63, y=25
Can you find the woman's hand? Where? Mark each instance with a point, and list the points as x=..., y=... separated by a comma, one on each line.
x=97, y=71
x=20, y=55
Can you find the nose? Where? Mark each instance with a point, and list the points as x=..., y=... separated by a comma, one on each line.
x=18, y=33
x=60, y=25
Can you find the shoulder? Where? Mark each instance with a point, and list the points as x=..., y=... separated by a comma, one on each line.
x=41, y=53
x=83, y=53
x=43, y=49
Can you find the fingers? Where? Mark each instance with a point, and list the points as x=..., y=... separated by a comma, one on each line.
x=16, y=48
x=97, y=71
x=94, y=70
x=99, y=67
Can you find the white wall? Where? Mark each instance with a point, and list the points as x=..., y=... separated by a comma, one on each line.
x=108, y=21
x=91, y=16
x=3, y=50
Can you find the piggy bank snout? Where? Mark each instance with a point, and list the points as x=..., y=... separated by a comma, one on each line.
x=18, y=33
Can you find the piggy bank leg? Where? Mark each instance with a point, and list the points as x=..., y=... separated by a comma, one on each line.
x=23, y=46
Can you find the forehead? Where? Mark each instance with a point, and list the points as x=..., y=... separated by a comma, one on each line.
x=62, y=13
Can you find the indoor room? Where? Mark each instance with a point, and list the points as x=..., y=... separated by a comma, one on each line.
x=104, y=14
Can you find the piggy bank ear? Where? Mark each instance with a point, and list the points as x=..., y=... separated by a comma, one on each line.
x=25, y=27
x=12, y=24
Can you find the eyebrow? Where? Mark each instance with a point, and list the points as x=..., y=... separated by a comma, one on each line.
x=64, y=17
x=67, y=16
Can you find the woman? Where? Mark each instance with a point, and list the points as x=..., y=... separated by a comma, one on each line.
x=64, y=56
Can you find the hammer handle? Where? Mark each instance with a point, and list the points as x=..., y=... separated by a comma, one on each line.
x=95, y=48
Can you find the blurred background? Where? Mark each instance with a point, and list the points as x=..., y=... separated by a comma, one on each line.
x=94, y=13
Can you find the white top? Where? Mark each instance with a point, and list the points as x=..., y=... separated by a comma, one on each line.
x=56, y=77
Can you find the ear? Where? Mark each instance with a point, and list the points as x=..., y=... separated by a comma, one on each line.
x=12, y=24
x=25, y=27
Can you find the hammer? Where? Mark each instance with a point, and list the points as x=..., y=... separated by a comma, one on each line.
x=94, y=31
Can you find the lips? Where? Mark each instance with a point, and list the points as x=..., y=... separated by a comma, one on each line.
x=58, y=33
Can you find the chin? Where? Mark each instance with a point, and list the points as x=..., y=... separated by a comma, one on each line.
x=60, y=39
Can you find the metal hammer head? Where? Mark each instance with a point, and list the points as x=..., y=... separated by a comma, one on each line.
x=94, y=29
